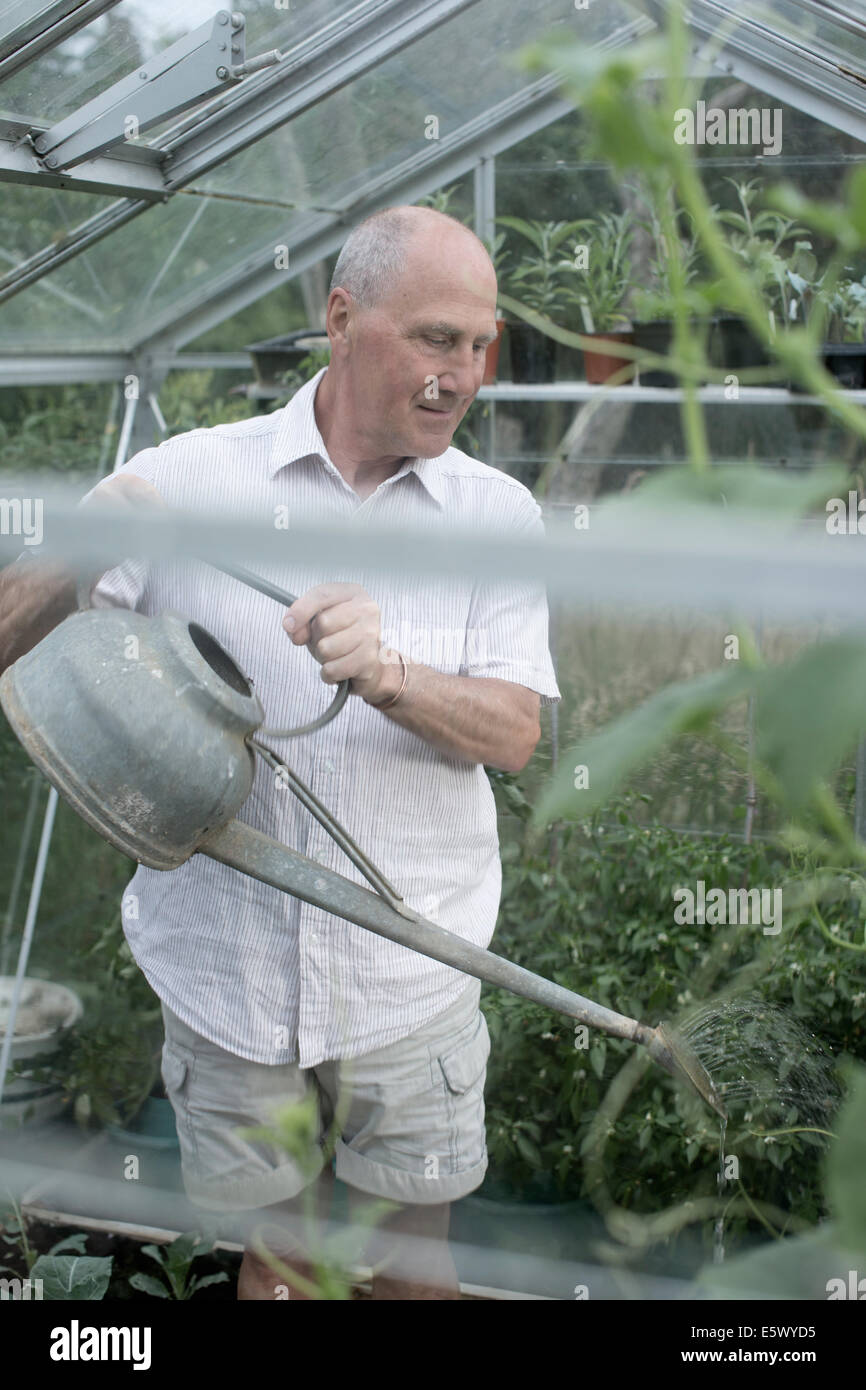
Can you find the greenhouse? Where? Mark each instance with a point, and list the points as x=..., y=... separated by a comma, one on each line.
x=511, y=359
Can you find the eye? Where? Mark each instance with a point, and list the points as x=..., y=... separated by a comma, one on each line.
x=438, y=342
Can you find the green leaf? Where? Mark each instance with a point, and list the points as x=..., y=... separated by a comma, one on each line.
x=846, y=1165
x=146, y=1283
x=597, y=1057
x=203, y=1282
x=832, y=221
x=519, y=224
x=156, y=1252
x=184, y=1249
x=811, y=713
x=78, y=1243
x=73, y=1277
x=528, y=1150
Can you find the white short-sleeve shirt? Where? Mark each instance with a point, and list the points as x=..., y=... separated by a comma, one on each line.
x=255, y=970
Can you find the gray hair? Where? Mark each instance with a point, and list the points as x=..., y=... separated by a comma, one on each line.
x=374, y=254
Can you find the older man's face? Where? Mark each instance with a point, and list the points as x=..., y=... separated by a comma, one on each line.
x=417, y=357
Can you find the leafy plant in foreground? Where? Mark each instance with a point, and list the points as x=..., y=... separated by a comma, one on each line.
x=175, y=1263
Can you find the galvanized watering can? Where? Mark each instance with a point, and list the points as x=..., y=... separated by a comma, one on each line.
x=146, y=726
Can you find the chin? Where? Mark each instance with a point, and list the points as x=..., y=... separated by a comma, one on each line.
x=432, y=446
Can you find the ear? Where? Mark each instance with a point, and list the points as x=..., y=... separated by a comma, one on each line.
x=338, y=318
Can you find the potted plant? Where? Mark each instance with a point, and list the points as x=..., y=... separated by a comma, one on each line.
x=46, y=1011
x=536, y=281
x=758, y=238
x=108, y=1070
x=595, y=284
x=843, y=352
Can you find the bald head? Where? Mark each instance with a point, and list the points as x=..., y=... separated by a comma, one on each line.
x=411, y=312
x=382, y=249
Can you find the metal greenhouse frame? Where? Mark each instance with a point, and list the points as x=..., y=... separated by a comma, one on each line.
x=144, y=200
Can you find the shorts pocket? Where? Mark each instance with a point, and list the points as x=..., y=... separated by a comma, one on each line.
x=176, y=1068
x=466, y=1063
x=177, y=1071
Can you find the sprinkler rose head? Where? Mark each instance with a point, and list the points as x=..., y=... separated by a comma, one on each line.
x=671, y=1052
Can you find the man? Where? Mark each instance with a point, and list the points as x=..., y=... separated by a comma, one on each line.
x=266, y=999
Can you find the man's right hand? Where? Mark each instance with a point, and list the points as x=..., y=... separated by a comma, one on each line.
x=126, y=489
x=35, y=597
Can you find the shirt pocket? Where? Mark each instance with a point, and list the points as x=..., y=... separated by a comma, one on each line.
x=434, y=630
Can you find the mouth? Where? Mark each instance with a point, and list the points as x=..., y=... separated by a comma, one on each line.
x=437, y=410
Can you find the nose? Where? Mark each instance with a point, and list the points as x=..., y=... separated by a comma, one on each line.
x=464, y=372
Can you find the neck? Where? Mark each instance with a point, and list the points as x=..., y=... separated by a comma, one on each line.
x=362, y=472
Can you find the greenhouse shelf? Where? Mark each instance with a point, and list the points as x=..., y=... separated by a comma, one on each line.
x=710, y=395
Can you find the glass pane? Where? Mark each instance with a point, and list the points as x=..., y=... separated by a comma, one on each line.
x=167, y=259
x=112, y=46
x=811, y=26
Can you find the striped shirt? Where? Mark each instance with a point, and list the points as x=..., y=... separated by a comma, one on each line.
x=256, y=971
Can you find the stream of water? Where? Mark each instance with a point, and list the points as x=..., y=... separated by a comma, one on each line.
x=770, y=1072
x=719, y=1228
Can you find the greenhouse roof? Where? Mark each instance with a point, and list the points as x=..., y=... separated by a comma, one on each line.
x=153, y=165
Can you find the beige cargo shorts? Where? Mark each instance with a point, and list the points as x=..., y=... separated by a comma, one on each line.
x=412, y=1115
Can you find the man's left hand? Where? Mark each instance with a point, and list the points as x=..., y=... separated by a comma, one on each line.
x=341, y=624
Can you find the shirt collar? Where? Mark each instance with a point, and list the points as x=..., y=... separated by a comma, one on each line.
x=298, y=437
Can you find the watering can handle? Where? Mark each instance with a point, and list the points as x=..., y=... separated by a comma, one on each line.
x=282, y=596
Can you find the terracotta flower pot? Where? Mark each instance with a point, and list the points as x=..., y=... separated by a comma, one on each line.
x=491, y=365
x=599, y=367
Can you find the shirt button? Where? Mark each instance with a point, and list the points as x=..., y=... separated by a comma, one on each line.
x=327, y=765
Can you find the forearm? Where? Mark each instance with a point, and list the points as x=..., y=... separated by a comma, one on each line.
x=471, y=717
x=34, y=598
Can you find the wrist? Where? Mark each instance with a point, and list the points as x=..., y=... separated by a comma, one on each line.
x=393, y=684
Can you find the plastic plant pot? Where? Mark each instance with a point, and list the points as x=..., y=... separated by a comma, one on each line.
x=273, y=356
x=734, y=347
x=533, y=354
x=153, y=1126
x=846, y=362
x=655, y=336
